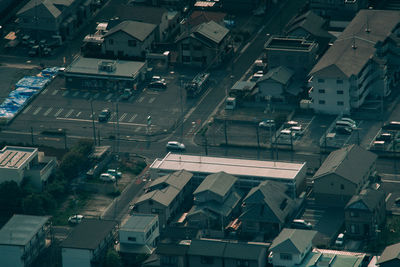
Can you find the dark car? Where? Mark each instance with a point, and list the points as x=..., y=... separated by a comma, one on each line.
x=158, y=85
x=104, y=115
x=392, y=126
x=301, y=224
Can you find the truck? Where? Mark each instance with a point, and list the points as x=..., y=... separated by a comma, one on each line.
x=197, y=85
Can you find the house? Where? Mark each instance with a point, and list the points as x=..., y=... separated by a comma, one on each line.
x=45, y=18
x=266, y=209
x=363, y=61
x=275, y=83
x=138, y=235
x=295, y=53
x=250, y=173
x=214, y=252
x=17, y=163
x=390, y=256
x=88, y=242
x=129, y=39
x=215, y=201
x=242, y=5
x=290, y=247
x=22, y=239
x=174, y=255
x=100, y=74
x=198, y=17
x=243, y=91
x=344, y=173
x=168, y=200
x=206, y=44
x=338, y=9
x=311, y=27
x=364, y=213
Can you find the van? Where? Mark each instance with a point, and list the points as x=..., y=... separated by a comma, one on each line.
x=341, y=123
x=286, y=134
x=230, y=103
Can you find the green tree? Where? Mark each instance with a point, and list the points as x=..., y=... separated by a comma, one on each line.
x=33, y=204
x=10, y=198
x=112, y=259
x=84, y=147
x=71, y=164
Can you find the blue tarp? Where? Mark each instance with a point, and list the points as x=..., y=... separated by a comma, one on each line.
x=50, y=71
x=23, y=91
x=33, y=82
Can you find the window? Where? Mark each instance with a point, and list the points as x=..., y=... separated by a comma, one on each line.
x=131, y=238
x=185, y=47
x=131, y=42
x=340, y=103
x=321, y=102
x=321, y=91
x=206, y=260
x=242, y=263
x=286, y=256
x=148, y=234
x=185, y=59
x=169, y=260
x=339, y=92
x=342, y=186
x=321, y=80
x=111, y=41
x=339, y=81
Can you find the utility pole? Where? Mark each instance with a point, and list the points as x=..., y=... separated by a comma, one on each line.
x=258, y=141
x=93, y=125
x=32, y=135
x=117, y=130
x=226, y=135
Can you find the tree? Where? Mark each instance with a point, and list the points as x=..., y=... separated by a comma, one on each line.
x=112, y=259
x=71, y=164
x=33, y=205
x=10, y=198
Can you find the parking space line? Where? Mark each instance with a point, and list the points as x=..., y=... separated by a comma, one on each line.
x=113, y=115
x=69, y=113
x=96, y=95
x=65, y=93
x=140, y=99
x=151, y=100
x=137, y=129
x=45, y=91
x=54, y=92
x=92, y=115
x=48, y=111
x=86, y=94
x=77, y=114
x=133, y=118
x=58, y=112
x=26, y=110
x=76, y=93
x=109, y=96
x=37, y=111
x=123, y=116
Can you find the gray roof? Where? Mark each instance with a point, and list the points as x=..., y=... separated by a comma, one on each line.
x=343, y=56
x=279, y=74
x=90, y=66
x=244, y=251
x=390, y=253
x=207, y=32
x=292, y=240
x=138, y=30
x=351, y=162
x=219, y=183
x=20, y=229
x=89, y=234
x=176, y=179
x=138, y=222
x=202, y=247
x=172, y=249
x=267, y=202
x=163, y=196
x=310, y=22
x=243, y=86
x=366, y=199
x=147, y=14
x=45, y=7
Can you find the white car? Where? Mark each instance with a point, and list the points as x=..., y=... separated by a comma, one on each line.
x=106, y=177
x=174, y=145
x=267, y=124
x=75, y=219
x=339, y=240
x=114, y=173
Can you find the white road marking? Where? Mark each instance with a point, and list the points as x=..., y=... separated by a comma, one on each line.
x=96, y=95
x=45, y=91
x=151, y=100
x=27, y=109
x=137, y=129
x=48, y=111
x=54, y=92
x=65, y=93
x=86, y=94
x=58, y=112
x=133, y=118
x=77, y=114
x=69, y=113
x=123, y=116
x=110, y=122
x=108, y=96
x=140, y=99
x=76, y=93
x=37, y=111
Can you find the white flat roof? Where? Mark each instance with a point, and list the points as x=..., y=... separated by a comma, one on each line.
x=13, y=157
x=236, y=167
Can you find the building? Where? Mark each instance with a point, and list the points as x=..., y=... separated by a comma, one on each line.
x=47, y=18
x=344, y=173
x=243, y=91
x=17, y=163
x=275, y=84
x=290, y=247
x=206, y=44
x=138, y=235
x=295, y=53
x=266, y=209
x=362, y=61
x=215, y=202
x=213, y=252
x=100, y=74
x=198, y=17
x=338, y=9
x=22, y=239
x=390, y=256
x=364, y=213
x=174, y=255
x=169, y=197
x=249, y=172
x=88, y=242
x=242, y=5
x=129, y=39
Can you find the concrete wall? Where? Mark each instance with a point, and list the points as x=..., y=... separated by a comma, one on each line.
x=11, y=256
x=76, y=257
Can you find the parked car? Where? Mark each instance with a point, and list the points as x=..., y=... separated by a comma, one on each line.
x=158, y=85
x=384, y=137
x=297, y=130
x=349, y=120
x=301, y=224
x=341, y=123
x=290, y=124
x=267, y=124
x=343, y=130
x=286, y=134
x=126, y=94
x=256, y=76
x=115, y=173
x=34, y=51
x=75, y=219
x=106, y=177
x=339, y=240
x=391, y=126
x=104, y=115
x=174, y=145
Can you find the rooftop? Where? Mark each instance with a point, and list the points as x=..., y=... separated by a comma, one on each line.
x=20, y=229
x=289, y=43
x=332, y=258
x=138, y=222
x=235, y=167
x=14, y=157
